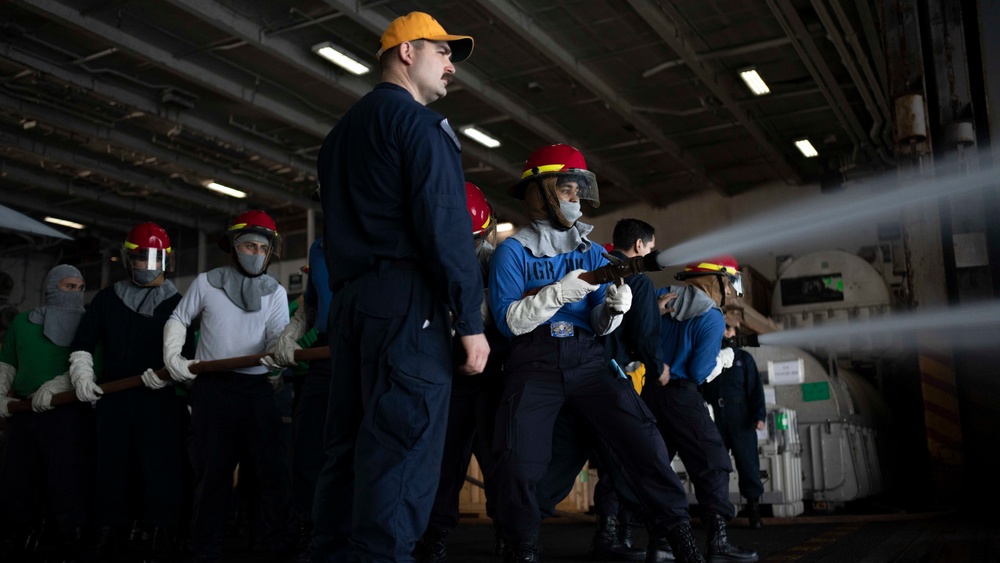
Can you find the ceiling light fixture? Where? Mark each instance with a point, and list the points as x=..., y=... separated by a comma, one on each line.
x=754, y=82
x=505, y=227
x=63, y=222
x=480, y=137
x=225, y=190
x=806, y=148
x=337, y=56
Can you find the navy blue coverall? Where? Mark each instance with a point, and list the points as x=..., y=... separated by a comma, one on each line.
x=737, y=397
x=400, y=259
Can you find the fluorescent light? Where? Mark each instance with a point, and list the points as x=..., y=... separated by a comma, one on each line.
x=505, y=227
x=481, y=137
x=806, y=148
x=754, y=82
x=337, y=56
x=226, y=190
x=63, y=222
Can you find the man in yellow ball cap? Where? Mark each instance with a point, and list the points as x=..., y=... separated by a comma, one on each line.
x=401, y=265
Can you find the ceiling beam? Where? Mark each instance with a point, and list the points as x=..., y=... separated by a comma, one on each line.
x=148, y=105
x=205, y=77
x=793, y=26
x=118, y=171
x=717, y=80
x=480, y=86
x=131, y=142
x=140, y=210
x=525, y=27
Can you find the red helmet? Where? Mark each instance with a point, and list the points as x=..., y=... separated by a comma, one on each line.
x=253, y=221
x=480, y=210
x=149, y=245
x=558, y=160
x=609, y=247
x=724, y=265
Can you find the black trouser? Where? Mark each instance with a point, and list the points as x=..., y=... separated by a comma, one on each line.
x=234, y=415
x=688, y=430
x=739, y=434
x=308, y=421
x=140, y=429
x=48, y=456
x=471, y=416
x=543, y=373
x=574, y=441
x=390, y=346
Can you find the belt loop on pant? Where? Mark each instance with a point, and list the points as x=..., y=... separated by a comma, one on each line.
x=685, y=384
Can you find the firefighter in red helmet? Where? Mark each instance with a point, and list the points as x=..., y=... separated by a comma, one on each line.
x=126, y=321
x=691, y=333
x=556, y=360
x=243, y=312
x=554, y=182
x=252, y=240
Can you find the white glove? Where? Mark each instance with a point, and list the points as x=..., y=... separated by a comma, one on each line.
x=7, y=373
x=41, y=400
x=151, y=380
x=282, y=352
x=723, y=360
x=727, y=355
x=618, y=298
x=606, y=318
x=524, y=315
x=174, y=335
x=81, y=373
x=573, y=289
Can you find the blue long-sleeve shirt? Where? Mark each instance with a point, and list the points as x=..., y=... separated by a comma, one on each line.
x=392, y=188
x=691, y=347
x=318, y=294
x=514, y=270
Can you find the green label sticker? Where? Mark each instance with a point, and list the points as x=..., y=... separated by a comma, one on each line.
x=819, y=391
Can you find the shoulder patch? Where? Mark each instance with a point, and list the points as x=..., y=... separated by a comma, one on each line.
x=446, y=127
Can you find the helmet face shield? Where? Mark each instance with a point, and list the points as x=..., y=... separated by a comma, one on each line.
x=737, y=282
x=578, y=185
x=154, y=259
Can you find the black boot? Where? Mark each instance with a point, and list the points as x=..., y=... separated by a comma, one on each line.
x=684, y=547
x=431, y=547
x=106, y=542
x=499, y=545
x=753, y=513
x=659, y=550
x=161, y=546
x=719, y=548
x=521, y=552
x=607, y=544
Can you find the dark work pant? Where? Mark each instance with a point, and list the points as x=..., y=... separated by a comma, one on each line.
x=307, y=452
x=574, y=441
x=688, y=431
x=390, y=347
x=49, y=457
x=471, y=416
x=739, y=434
x=140, y=429
x=545, y=372
x=235, y=415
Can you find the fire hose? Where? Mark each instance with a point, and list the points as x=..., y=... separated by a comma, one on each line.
x=208, y=366
x=617, y=271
